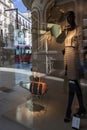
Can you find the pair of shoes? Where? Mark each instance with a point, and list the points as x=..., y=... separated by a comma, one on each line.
x=67, y=119
x=80, y=113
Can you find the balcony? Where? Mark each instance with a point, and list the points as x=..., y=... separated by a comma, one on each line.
x=0, y=22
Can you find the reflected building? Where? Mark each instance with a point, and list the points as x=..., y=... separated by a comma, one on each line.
x=6, y=22
x=12, y=21
x=22, y=34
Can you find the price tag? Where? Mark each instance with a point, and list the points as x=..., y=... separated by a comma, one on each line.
x=76, y=122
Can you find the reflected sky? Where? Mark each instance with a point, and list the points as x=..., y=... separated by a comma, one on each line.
x=19, y=4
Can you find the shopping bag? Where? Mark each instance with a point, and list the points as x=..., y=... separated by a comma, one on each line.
x=76, y=122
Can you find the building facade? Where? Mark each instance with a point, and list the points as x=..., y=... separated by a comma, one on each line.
x=45, y=16
x=6, y=19
x=22, y=34
x=15, y=27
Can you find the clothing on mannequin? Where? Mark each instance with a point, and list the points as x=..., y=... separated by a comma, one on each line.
x=72, y=45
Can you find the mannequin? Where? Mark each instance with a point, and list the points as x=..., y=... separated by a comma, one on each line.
x=72, y=45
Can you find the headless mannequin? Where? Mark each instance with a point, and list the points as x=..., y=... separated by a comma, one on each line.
x=74, y=87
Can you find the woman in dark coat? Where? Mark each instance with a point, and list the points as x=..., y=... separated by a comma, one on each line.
x=73, y=47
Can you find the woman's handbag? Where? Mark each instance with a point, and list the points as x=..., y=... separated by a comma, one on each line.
x=37, y=85
x=38, y=88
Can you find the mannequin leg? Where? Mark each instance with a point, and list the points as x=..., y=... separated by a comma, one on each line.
x=81, y=110
x=70, y=100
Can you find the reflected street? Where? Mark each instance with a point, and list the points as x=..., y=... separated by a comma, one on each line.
x=14, y=74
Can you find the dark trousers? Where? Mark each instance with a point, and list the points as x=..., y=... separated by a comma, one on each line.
x=74, y=88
